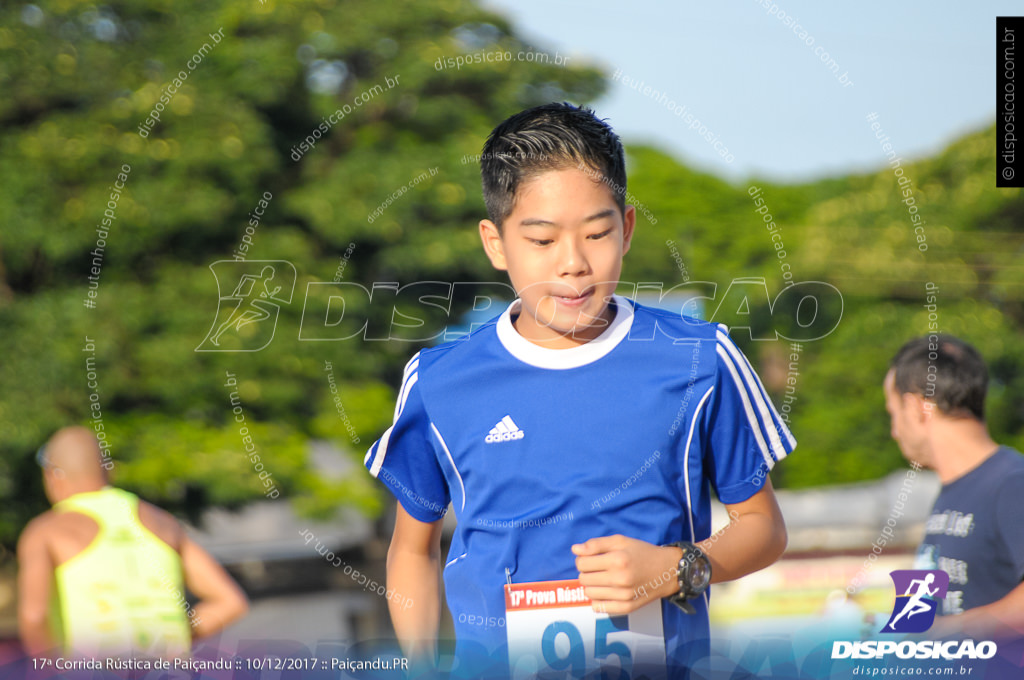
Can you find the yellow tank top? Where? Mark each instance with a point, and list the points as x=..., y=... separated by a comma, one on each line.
x=123, y=595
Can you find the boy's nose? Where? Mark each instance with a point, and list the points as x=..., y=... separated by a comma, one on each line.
x=572, y=261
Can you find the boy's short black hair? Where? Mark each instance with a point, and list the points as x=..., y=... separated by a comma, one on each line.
x=943, y=369
x=549, y=137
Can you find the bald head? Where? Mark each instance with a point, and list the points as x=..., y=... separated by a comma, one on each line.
x=73, y=463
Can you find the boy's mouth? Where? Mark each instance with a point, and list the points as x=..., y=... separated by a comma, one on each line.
x=575, y=300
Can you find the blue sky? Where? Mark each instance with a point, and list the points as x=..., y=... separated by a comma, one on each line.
x=926, y=69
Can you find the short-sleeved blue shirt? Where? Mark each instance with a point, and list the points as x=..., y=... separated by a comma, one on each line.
x=976, y=533
x=538, y=449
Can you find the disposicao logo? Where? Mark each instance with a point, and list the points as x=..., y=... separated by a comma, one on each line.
x=258, y=289
x=914, y=610
x=917, y=594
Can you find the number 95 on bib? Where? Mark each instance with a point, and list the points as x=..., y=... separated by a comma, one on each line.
x=553, y=633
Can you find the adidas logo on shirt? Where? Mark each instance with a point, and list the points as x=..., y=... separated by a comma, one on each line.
x=504, y=431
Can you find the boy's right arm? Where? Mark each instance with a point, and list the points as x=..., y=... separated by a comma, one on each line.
x=414, y=571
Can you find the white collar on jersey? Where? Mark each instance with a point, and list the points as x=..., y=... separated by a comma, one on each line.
x=574, y=357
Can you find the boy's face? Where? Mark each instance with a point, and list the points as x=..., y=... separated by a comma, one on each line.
x=562, y=247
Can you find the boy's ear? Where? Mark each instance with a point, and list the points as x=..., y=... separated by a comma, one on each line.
x=493, y=246
x=628, y=223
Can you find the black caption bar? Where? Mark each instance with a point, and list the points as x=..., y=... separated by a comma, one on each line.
x=1009, y=37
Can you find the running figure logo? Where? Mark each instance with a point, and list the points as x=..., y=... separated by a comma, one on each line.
x=247, y=318
x=914, y=610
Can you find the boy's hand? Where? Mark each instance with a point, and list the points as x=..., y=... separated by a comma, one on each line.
x=622, y=574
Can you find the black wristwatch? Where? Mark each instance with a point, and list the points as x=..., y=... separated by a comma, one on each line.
x=694, y=575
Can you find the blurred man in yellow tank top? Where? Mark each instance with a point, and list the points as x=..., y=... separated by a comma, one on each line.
x=104, y=574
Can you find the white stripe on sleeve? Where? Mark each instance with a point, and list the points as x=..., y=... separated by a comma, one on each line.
x=751, y=385
x=755, y=425
x=408, y=380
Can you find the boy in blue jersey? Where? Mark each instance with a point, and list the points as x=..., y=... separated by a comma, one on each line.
x=578, y=437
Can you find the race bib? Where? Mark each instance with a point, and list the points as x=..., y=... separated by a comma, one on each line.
x=554, y=633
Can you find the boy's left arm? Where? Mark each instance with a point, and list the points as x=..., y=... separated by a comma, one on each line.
x=622, y=574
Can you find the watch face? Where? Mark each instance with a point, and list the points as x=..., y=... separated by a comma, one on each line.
x=698, y=575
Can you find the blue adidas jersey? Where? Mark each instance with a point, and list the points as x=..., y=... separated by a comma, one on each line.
x=538, y=449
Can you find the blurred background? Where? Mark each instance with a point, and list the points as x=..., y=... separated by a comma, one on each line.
x=393, y=101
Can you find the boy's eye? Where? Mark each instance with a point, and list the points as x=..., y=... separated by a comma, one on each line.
x=600, y=235
x=540, y=241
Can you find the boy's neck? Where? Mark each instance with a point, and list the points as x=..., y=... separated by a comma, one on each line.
x=569, y=340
